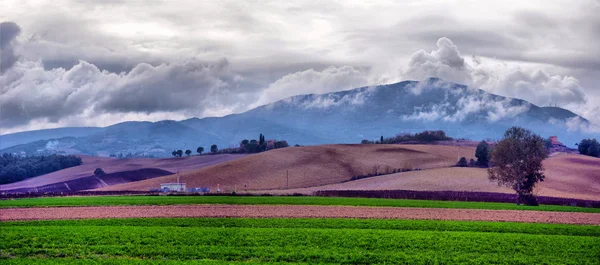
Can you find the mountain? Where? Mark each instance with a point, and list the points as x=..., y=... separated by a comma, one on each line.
x=8, y=140
x=339, y=117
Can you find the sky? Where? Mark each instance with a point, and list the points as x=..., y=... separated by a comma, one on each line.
x=97, y=63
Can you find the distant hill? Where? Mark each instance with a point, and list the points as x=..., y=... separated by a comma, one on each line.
x=12, y=139
x=339, y=117
x=309, y=166
x=118, y=171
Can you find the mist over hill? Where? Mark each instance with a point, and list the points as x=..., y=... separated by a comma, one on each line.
x=339, y=117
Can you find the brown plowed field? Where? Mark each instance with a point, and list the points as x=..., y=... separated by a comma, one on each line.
x=567, y=176
x=110, y=165
x=297, y=211
x=311, y=166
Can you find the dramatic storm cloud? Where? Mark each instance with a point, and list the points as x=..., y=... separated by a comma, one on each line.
x=95, y=63
x=8, y=33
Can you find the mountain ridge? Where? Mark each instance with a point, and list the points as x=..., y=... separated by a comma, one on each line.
x=337, y=117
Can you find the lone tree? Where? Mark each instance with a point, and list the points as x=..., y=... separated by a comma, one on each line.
x=214, y=148
x=517, y=163
x=200, y=150
x=179, y=153
x=188, y=152
x=381, y=140
x=483, y=154
x=99, y=172
x=174, y=153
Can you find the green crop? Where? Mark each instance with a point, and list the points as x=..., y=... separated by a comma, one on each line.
x=334, y=241
x=274, y=200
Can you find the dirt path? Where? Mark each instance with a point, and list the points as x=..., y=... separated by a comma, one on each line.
x=296, y=211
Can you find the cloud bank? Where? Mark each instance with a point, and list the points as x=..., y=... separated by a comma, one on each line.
x=87, y=63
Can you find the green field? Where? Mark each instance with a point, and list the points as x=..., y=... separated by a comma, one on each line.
x=308, y=241
x=275, y=200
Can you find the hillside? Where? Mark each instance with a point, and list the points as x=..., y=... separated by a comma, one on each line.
x=567, y=175
x=339, y=117
x=117, y=169
x=311, y=166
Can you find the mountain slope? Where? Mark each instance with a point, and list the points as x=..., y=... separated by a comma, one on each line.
x=338, y=117
x=12, y=139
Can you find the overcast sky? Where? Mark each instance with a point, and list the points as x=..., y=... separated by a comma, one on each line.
x=96, y=63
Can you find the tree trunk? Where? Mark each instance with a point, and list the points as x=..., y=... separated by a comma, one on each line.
x=518, y=192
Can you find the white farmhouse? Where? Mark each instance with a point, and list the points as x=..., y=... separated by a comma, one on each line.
x=175, y=186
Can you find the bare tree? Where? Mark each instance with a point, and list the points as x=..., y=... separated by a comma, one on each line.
x=517, y=162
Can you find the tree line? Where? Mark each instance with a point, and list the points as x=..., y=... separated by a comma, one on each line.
x=15, y=168
x=422, y=137
x=246, y=146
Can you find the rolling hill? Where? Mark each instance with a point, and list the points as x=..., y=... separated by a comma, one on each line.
x=567, y=175
x=118, y=171
x=298, y=167
x=339, y=117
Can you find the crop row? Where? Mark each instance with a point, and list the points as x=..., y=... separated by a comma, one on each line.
x=289, y=240
x=328, y=223
x=275, y=200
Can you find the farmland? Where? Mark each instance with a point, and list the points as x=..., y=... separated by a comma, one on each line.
x=309, y=166
x=117, y=171
x=255, y=241
x=274, y=200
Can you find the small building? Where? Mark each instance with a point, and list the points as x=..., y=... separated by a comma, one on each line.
x=555, y=142
x=175, y=186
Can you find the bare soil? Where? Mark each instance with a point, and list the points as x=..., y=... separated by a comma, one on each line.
x=567, y=176
x=296, y=211
x=309, y=166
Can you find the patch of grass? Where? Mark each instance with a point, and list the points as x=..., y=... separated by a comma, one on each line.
x=275, y=200
x=334, y=241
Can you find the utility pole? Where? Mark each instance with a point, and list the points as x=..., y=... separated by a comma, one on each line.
x=457, y=153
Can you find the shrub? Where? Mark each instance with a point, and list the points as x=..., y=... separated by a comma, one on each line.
x=99, y=172
x=462, y=162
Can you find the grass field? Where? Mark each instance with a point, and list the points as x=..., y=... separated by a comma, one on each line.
x=274, y=200
x=309, y=241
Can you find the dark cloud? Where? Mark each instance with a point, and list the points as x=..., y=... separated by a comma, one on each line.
x=84, y=88
x=115, y=58
x=8, y=32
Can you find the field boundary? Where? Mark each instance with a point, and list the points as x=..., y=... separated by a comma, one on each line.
x=467, y=196
x=460, y=196
x=296, y=211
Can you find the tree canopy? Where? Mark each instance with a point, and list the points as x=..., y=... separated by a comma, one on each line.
x=589, y=147
x=483, y=154
x=517, y=162
x=99, y=172
x=14, y=168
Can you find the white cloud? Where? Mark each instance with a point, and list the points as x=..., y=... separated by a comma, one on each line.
x=31, y=93
x=535, y=50
x=492, y=109
x=445, y=62
x=314, y=82
x=577, y=124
